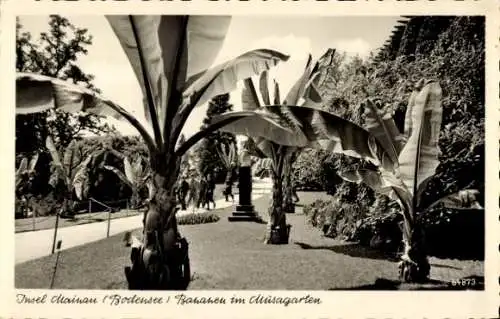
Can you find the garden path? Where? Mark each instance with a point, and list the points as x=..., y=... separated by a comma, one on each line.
x=36, y=244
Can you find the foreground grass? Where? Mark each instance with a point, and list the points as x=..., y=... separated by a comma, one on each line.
x=228, y=255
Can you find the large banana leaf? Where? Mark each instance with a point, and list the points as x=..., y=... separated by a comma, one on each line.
x=299, y=88
x=32, y=165
x=59, y=172
x=464, y=199
x=224, y=77
x=226, y=122
x=409, y=110
x=418, y=160
x=129, y=171
x=70, y=157
x=166, y=51
x=277, y=98
x=37, y=93
x=264, y=87
x=250, y=101
x=263, y=126
x=23, y=166
x=379, y=122
x=54, y=154
x=81, y=182
x=332, y=133
x=227, y=157
x=120, y=175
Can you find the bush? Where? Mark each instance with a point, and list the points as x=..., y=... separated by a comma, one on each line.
x=336, y=219
x=449, y=233
x=307, y=171
x=457, y=234
x=194, y=218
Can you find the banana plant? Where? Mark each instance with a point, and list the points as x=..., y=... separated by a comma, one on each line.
x=227, y=155
x=136, y=176
x=72, y=174
x=171, y=56
x=415, y=151
x=25, y=175
x=262, y=166
x=229, y=159
x=302, y=112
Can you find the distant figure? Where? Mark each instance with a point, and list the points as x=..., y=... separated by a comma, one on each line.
x=295, y=196
x=228, y=191
x=182, y=192
x=210, y=189
x=193, y=197
x=202, y=192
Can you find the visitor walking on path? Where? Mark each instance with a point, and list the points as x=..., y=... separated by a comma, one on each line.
x=210, y=189
x=295, y=196
x=194, y=192
x=202, y=192
x=228, y=191
x=182, y=191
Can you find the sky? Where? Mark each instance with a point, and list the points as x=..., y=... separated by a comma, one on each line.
x=293, y=35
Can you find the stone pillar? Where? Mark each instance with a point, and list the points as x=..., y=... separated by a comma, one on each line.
x=244, y=211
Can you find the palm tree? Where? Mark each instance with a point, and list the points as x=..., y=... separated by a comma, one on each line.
x=170, y=56
x=415, y=152
x=308, y=126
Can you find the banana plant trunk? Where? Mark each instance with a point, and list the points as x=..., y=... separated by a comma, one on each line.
x=135, y=199
x=288, y=203
x=162, y=261
x=414, y=266
x=277, y=231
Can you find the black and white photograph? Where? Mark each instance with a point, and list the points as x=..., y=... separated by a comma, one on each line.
x=170, y=152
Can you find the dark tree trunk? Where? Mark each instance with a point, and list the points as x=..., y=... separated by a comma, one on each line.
x=162, y=261
x=414, y=265
x=277, y=231
x=288, y=203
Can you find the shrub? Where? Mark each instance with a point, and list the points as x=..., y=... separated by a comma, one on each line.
x=307, y=171
x=197, y=218
x=336, y=219
x=449, y=233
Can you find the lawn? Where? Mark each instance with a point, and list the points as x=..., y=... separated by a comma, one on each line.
x=227, y=255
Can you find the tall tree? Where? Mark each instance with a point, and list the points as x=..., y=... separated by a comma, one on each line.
x=210, y=162
x=54, y=53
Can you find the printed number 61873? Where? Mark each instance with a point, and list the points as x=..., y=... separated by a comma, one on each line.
x=464, y=282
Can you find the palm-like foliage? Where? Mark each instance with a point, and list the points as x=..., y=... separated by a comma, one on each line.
x=227, y=155
x=72, y=173
x=415, y=151
x=25, y=173
x=308, y=125
x=136, y=176
x=262, y=166
x=170, y=56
